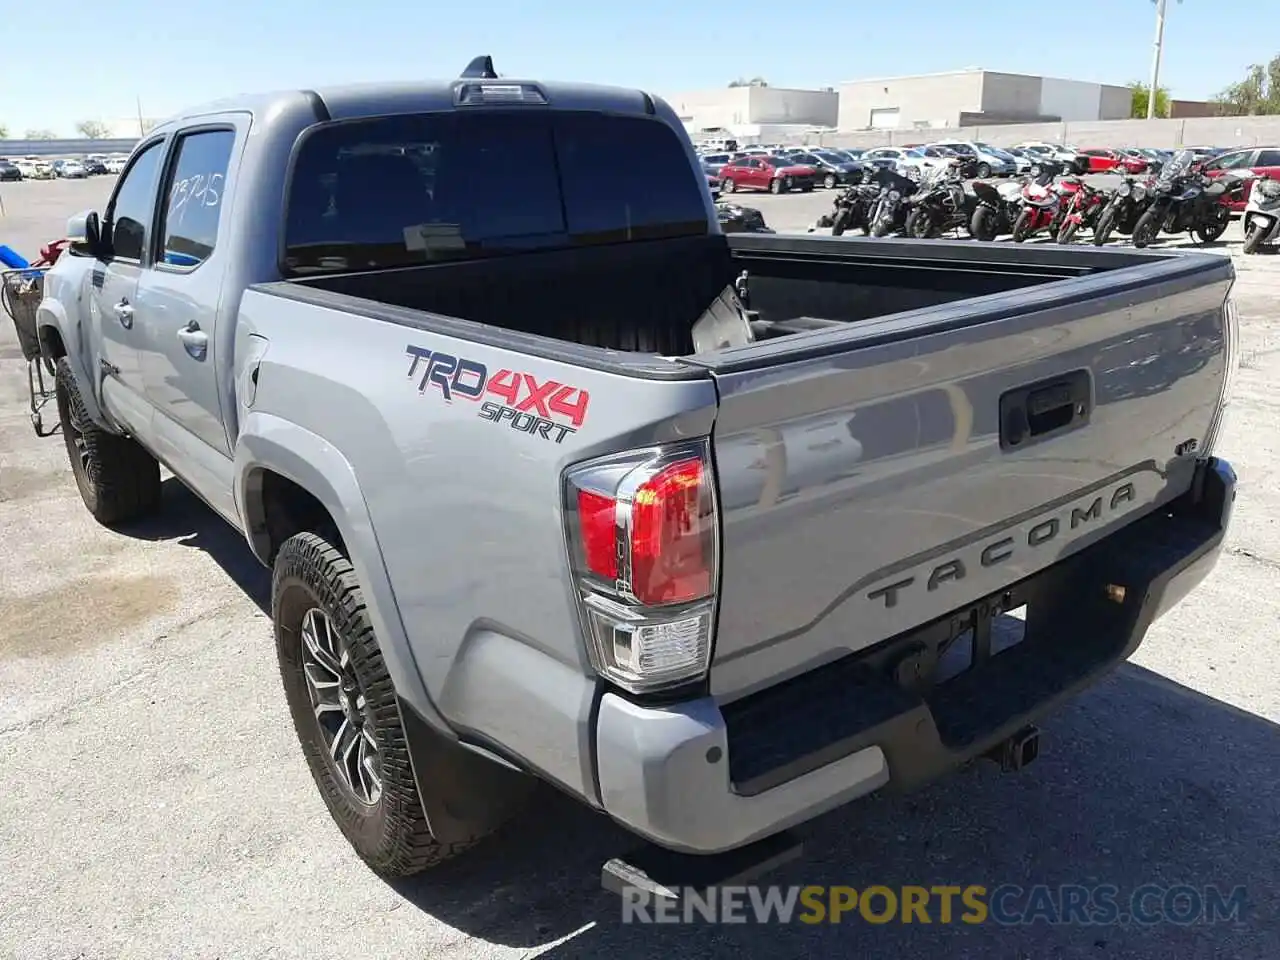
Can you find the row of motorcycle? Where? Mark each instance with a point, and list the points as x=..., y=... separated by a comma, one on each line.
x=1178, y=199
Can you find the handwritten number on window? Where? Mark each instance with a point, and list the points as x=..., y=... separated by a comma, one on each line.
x=199, y=190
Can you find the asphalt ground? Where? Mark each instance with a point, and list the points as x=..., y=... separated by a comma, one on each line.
x=154, y=801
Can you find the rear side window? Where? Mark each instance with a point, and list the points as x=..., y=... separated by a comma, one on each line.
x=1268, y=158
x=395, y=191
x=193, y=198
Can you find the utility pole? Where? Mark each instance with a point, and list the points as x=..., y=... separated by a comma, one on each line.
x=1155, y=60
x=142, y=132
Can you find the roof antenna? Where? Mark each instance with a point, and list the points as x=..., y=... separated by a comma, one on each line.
x=481, y=68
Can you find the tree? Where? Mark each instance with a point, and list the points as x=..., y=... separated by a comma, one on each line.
x=4, y=132
x=1142, y=94
x=92, y=129
x=753, y=82
x=1257, y=94
x=41, y=135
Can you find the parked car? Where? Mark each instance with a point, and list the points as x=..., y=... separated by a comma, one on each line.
x=846, y=153
x=833, y=170
x=115, y=163
x=1022, y=160
x=988, y=161
x=708, y=592
x=1106, y=160
x=1075, y=161
x=69, y=169
x=713, y=162
x=35, y=168
x=769, y=172
x=95, y=166
x=910, y=162
x=1260, y=161
x=9, y=171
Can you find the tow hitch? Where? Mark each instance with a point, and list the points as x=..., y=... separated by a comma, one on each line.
x=1018, y=751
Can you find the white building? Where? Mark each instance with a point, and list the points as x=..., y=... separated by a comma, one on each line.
x=756, y=112
x=964, y=98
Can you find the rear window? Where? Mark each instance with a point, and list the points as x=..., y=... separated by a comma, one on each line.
x=422, y=188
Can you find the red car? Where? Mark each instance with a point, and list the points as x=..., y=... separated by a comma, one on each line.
x=1103, y=160
x=775, y=174
x=1261, y=160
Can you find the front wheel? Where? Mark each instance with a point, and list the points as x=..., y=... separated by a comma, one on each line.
x=1068, y=232
x=1106, y=224
x=727, y=186
x=921, y=224
x=1210, y=231
x=1022, y=226
x=881, y=227
x=983, y=171
x=841, y=222
x=344, y=709
x=1253, y=235
x=117, y=479
x=829, y=181
x=778, y=185
x=1147, y=228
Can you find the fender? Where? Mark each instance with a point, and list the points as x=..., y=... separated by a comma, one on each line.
x=464, y=794
x=52, y=315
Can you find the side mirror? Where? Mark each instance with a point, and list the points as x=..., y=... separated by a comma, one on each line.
x=84, y=231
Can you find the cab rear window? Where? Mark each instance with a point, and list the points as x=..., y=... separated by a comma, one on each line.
x=423, y=188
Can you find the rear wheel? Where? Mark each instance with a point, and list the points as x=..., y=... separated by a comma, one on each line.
x=920, y=224
x=344, y=709
x=983, y=224
x=1068, y=232
x=1106, y=224
x=829, y=181
x=118, y=480
x=1215, y=228
x=841, y=222
x=983, y=171
x=727, y=185
x=1253, y=238
x=1147, y=228
x=1022, y=226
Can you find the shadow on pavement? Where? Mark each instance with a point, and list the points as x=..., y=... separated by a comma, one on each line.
x=1142, y=781
x=186, y=519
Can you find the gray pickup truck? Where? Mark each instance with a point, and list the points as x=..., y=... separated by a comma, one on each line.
x=439, y=350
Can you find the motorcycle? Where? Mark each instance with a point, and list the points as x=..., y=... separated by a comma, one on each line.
x=890, y=214
x=1262, y=215
x=1041, y=204
x=1186, y=201
x=852, y=209
x=942, y=203
x=1082, y=207
x=1123, y=210
x=996, y=210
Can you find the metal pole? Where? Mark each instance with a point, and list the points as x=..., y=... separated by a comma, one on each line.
x=142, y=132
x=1155, y=61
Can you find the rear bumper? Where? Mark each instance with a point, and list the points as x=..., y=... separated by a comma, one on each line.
x=701, y=778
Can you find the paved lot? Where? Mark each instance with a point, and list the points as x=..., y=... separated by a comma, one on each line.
x=154, y=802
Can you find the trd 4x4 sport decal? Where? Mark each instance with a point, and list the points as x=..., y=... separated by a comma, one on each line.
x=547, y=409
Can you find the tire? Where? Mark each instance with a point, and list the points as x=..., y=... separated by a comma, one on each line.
x=841, y=222
x=983, y=171
x=776, y=186
x=1212, y=231
x=117, y=479
x=1106, y=224
x=1147, y=228
x=312, y=582
x=829, y=181
x=920, y=224
x=727, y=186
x=1022, y=226
x=807, y=188
x=1068, y=232
x=982, y=225
x=1253, y=238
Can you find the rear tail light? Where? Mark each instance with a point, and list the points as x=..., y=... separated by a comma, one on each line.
x=643, y=535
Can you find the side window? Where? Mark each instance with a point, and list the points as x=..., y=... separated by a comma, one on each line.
x=1268, y=158
x=193, y=197
x=1231, y=161
x=129, y=216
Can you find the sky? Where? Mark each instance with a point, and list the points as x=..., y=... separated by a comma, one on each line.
x=59, y=69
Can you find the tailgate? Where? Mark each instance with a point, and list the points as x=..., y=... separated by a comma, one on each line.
x=868, y=486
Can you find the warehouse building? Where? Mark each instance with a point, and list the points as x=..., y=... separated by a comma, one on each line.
x=964, y=98
x=755, y=112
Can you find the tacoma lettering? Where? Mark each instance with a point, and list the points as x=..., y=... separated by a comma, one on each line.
x=996, y=552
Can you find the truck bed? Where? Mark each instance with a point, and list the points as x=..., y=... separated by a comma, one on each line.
x=645, y=297
x=973, y=414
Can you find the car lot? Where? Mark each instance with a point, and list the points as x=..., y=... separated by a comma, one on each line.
x=156, y=803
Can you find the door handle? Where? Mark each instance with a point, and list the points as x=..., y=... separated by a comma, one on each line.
x=194, y=340
x=124, y=313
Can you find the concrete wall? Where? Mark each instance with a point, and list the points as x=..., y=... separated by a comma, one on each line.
x=63, y=148
x=734, y=106
x=932, y=100
x=1216, y=131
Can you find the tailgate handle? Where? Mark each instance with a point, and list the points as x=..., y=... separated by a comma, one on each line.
x=1046, y=409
